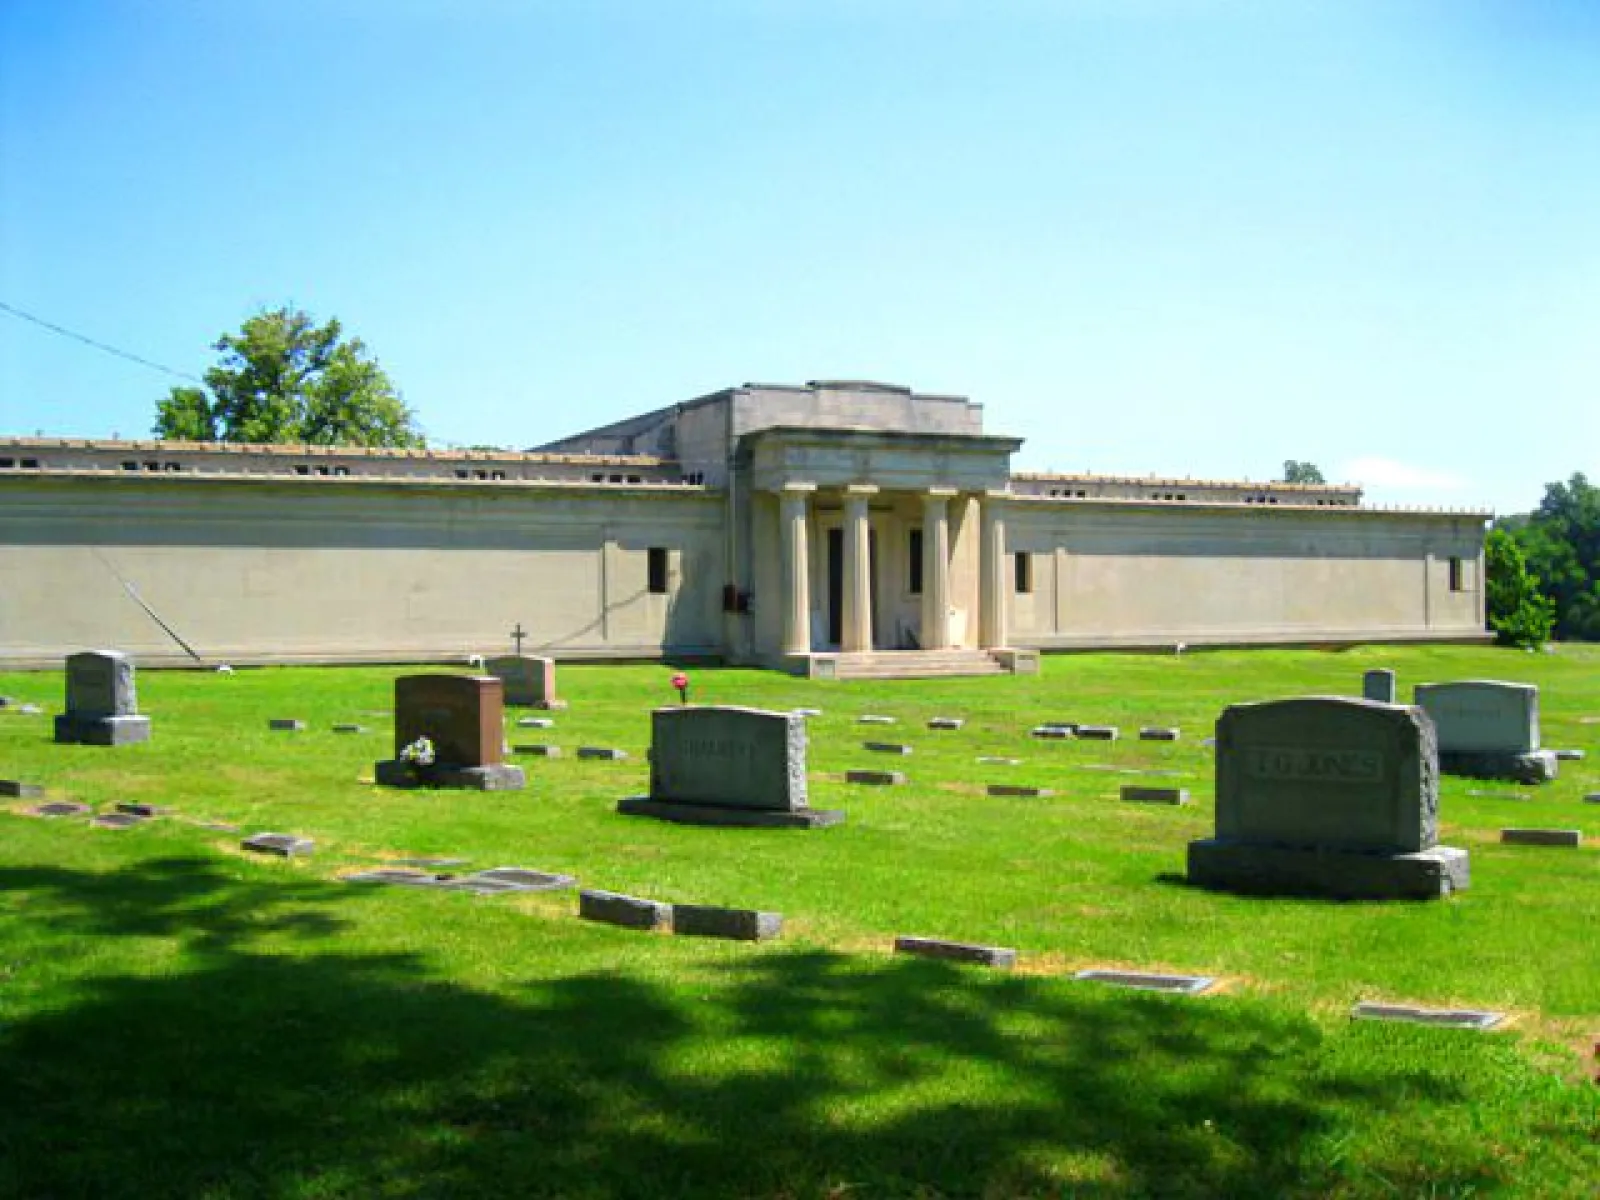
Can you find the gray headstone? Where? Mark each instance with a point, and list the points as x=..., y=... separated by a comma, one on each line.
x=539, y=750
x=1097, y=733
x=1482, y=716
x=102, y=705
x=1570, y=755
x=1378, y=685
x=630, y=912
x=1159, y=733
x=1058, y=733
x=1591, y=798
x=886, y=747
x=1327, y=796
x=286, y=724
x=348, y=728
x=608, y=753
x=1017, y=789
x=1002, y=957
x=720, y=754
x=739, y=924
x=530, y=681
x=945, y=723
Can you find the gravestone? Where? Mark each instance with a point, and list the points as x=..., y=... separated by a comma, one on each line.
x=946, y=722
x=21, y=790
x=1097, y=733
x=876, y=778
x=725, y=765
x=886, y=747
x=1488, y=729
x=286, y=725
x=102, y=706
x=460, y=717
x=1139, y=794
x=1327, y=796
x=631, y=912
x=737, y=924
x=530, y=681
x=1159, y=733
x=1542, y=837
x=1018, y=789
x=1378, y=685
x=1003, y=957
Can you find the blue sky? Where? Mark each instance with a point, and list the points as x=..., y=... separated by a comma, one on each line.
x=1174, y=236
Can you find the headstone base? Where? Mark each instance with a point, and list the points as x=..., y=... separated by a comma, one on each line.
x=102, y=731
x=1536, y=766
x=500, y=777
x=1282, y=870
x=749, y=818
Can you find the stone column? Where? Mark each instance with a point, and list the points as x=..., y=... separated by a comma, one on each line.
x=993, y=584
x=794, y=500
x=856, y=636
x=936, y=569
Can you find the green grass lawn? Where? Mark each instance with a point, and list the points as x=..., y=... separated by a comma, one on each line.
x=177, y=1018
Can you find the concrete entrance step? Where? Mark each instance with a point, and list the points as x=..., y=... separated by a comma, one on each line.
x=905, y=664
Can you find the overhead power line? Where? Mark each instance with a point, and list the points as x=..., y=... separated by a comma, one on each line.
x=89, y=341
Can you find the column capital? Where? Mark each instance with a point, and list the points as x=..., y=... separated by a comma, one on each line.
x=794, y=488
x=861, y=490
x=939, y=493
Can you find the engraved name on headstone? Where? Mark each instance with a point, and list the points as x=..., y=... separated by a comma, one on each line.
x=1488, y=729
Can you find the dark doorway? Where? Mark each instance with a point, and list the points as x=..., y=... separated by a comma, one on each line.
x=836, y=584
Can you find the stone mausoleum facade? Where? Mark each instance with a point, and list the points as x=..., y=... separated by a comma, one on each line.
x=837, y=529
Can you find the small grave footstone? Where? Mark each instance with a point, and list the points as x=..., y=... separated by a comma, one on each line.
x=1002, y=957
x=1098, y=733
x=1159, y=733
x=1378, y=685
x=1187, y=985
x=102, y=702
x=348, y=728
x=284, y=845
x=875, y=778
x=529, y=681
x=1454, y=1018
x=730, y=766
x=1327, y=796
x=60, y=808
x=462, y=719
x=1542, y=837
x=737, y=924
x=1060, y=733
x=886, y=747
x=1570, y=755
x=535, y=723
x=1017, y=789
x=945, y=723
x=994, y=760
x=286, y=724
x=1138, y=794
x=1488, y=729
x=431, y=862
x=22, y=791
x=117, y=821
x=390, y=875
x=631, y=912
x=527, y=880
x=1592, y=798
x=135, y=809
x=602, y=752
x=807, y=712
x=875, y=719
x=538, y=750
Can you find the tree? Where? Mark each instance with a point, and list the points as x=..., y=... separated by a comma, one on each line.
x=1519, y=613
x=1301, y=472
x=1561, y=541
x=282, y=378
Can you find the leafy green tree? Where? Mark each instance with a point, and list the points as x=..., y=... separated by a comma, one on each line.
x=1301, y=472
x=1519, y=613
x=282, y=378
x=1561, y=541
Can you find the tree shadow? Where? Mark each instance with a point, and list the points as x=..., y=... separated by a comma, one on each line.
x=249, y=1070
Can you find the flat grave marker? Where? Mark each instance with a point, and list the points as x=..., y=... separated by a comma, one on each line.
x=1140, y=794
x=886, y=747
x=875, y=719
x=1160, y=733
x=346, y=727
x=60, y=808
x=535, y=723
x=20, y=790
x=1059, y=733
x=1542, y=837
x=1097, y=733
x=284, y=845
x=1017, y=789
x=1450, y=1018
x=286, y=724
x=1001, y=957
x=1570, y=755
x=997, y=760
x=118, y=820
x=537, y=749
x=945, y=722
x=1183, y=985
x=140, y=809
x=876, y=778
x=607, y=753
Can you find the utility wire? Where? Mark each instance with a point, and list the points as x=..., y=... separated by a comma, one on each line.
x=89, y=341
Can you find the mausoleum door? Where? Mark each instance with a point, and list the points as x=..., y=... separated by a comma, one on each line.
x=836, y=585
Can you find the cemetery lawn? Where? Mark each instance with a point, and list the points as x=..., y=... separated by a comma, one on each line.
x=178, y=1018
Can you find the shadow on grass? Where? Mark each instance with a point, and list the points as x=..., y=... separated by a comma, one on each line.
x=298, y=1070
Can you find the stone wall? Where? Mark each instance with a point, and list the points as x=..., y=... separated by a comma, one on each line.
x=255, y=571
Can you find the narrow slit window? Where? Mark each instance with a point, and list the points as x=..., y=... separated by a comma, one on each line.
x=657, y=570
x=914, y=563
x=1022, y=569
x=1458, y=575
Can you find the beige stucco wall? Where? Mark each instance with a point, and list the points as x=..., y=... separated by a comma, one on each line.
x=1108, y=575
x=253, y=571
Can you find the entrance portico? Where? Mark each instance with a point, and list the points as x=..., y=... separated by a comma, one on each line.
x=890, y=548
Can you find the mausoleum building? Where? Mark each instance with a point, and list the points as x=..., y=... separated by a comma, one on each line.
x=838, y=528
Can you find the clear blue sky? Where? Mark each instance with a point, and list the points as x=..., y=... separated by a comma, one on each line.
x=1178, y=236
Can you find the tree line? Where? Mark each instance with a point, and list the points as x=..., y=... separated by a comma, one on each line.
x=1543, y=568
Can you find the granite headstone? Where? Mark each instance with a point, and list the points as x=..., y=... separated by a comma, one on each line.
x=459, y=718
x=102, y=705
x=1488, y=729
